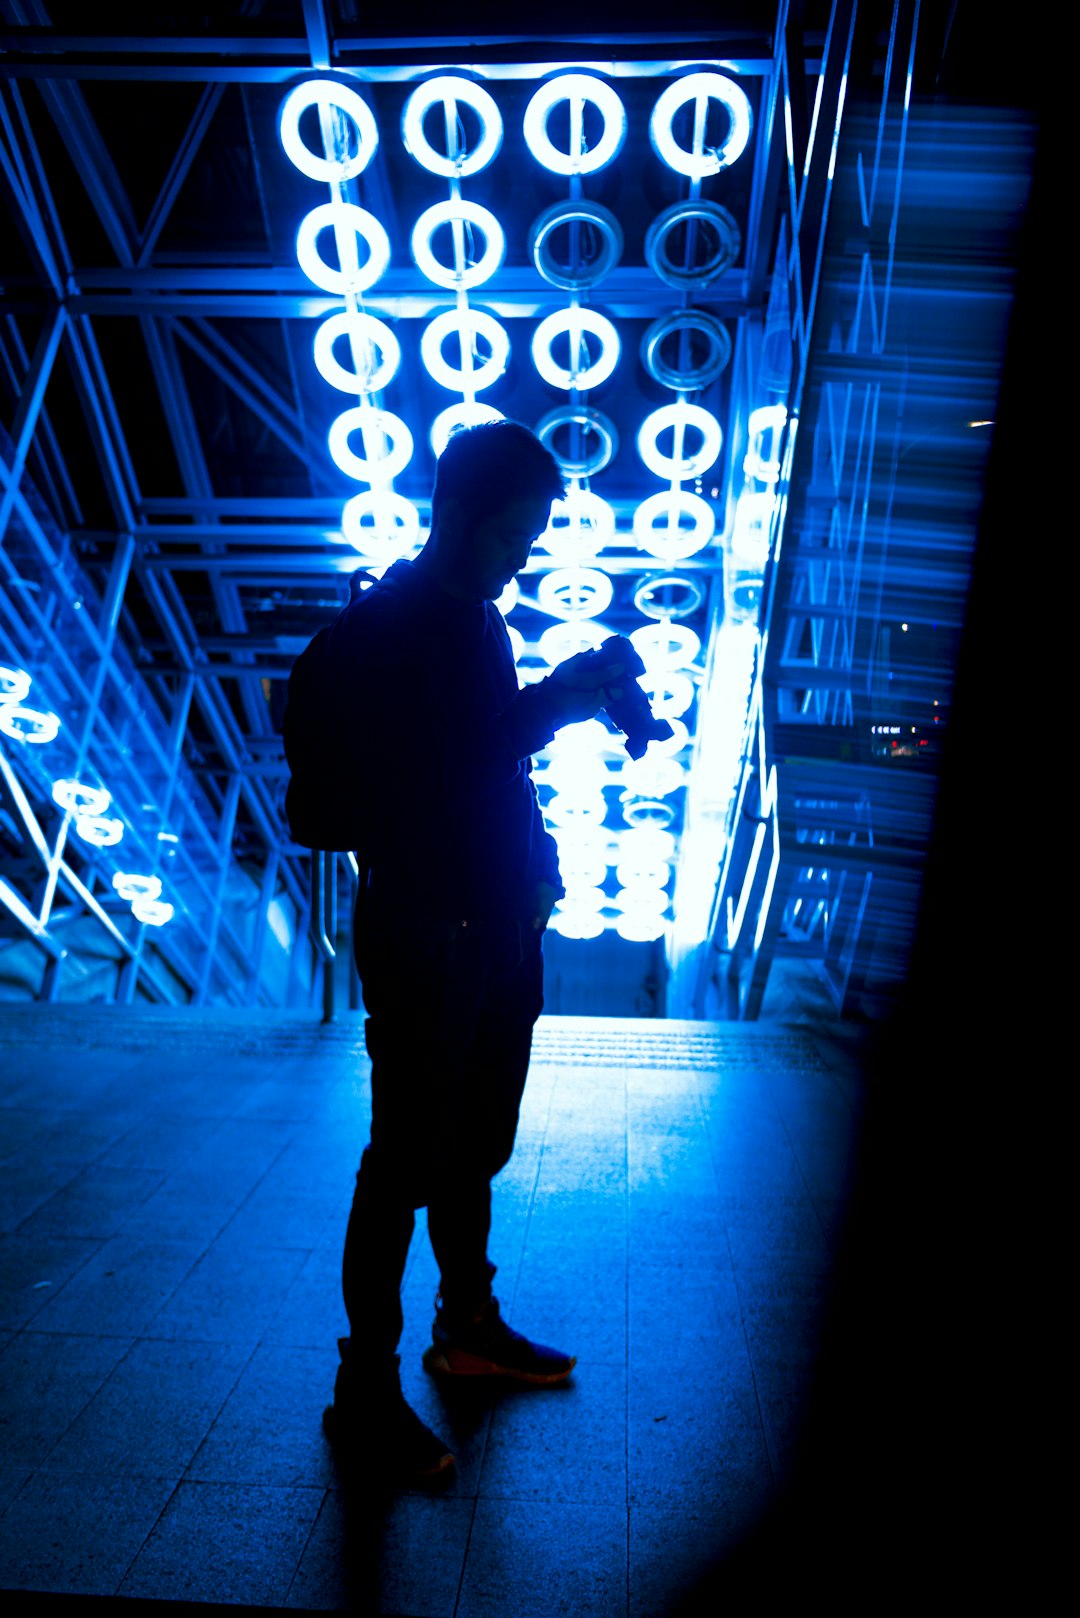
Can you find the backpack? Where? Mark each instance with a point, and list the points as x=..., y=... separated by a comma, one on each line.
x=321, y=809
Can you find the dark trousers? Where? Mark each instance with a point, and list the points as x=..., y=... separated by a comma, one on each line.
x=451, y=1009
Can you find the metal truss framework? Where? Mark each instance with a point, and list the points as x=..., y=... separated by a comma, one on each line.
x=135, y=599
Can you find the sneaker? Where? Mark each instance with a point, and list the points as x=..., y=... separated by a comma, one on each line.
x=487, y=1346
x=375, y=1431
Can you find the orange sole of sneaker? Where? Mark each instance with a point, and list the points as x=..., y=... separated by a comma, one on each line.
x=459, y=1364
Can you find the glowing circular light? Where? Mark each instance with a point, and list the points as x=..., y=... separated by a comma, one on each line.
x=668, y=595
x=642, y=896
x=460, y=275
x=77, y=798
x=517, y=642
x=153, y=912
x=565, y=640
x=509, y=598
x=581, y=869
x=381, y=521
x=679, y=417
x=467, y=414
x=703, y=269
x=576, y=323
x=577, y=775
x=689, y=378
x=768, y=419
x=583, y=897
x=750, y=532
x=466, y=325
x=129, y=885
x=571, y=810
x=652, y=874
x=600, y=223
x=700, y=88
x=329, y=97
x=14, y=684
x=586, y=735
x=581, y=523
x=648, y=814
x=577, y=923
x=378, y=426
x=645, y=844
x=650, y=777
x=588, y=422
x=575, y=592
x=672, y=542
x=666, y=645
x=447, y=90
x=670, y=694
x=640, y=926
x=27, y=724
x=577, y=88
x=348, y=222
x=366, y=336
x=99, y=830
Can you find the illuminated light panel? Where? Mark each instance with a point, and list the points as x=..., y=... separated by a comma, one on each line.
x=446, y=90
x=576, y=88
x=467, y=414
x=28, y=724
x=666, y=645
x=589, y=422
x=14, y=685
x=575, y=323
x=640, y=926
x=517, y=642
x=750, y=533
x=768, y=420
x=366, y=336
x=575, y=592
x=670, y=745
x=328, y=96
x=129, y=885
x=671, y=542
x=468, y=213
x=700, y=87
x=381, y=520
x=100, y=830
x=565, y=640
x=152, y=912
x=349, y=223
x=678, y=418
x=79, y=799
x=509, y=598
x=581, y=523
x=467, y=325
x=577, y=774
x=376, y=425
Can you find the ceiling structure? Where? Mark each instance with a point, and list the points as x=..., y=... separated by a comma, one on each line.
x=750, y=278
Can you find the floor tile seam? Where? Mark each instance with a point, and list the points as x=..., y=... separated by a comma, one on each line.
x=240, y=1206
x=48, y=1296
x=465, y=1553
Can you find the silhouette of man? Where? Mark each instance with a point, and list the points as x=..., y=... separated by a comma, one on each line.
x=461, y=877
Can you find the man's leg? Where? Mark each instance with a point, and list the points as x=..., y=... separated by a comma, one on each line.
x=470, y=1338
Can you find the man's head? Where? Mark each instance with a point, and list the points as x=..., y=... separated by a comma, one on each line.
x=493, y=491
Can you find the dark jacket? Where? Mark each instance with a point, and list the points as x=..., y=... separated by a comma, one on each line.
x=436, y=741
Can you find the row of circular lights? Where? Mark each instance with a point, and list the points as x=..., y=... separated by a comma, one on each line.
x=86, y=805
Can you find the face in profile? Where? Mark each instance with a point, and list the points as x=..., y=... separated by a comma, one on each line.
x=489, y=553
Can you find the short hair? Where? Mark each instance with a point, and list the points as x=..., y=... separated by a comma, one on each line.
x=487, y=466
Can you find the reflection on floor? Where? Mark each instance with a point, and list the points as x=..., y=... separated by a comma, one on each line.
x=174, y=1194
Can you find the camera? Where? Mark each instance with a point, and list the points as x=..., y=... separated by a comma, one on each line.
x=631, y=711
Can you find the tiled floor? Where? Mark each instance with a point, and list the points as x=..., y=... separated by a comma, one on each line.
x=174, y=1192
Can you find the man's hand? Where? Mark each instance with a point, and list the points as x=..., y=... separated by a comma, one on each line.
x=583, y=684
x=543, y=904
